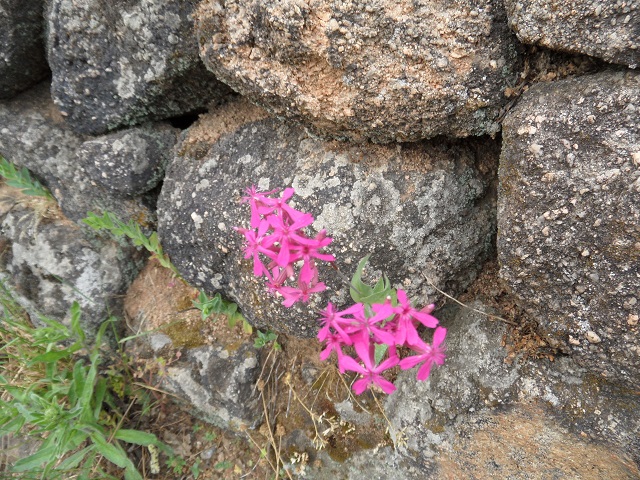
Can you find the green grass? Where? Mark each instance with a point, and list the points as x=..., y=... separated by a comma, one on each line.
x=55, y=393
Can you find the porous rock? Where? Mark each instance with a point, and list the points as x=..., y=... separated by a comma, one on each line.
x=35, y=136
x=220, y=383
x=421, y=210
x=608, y=30
x=22, y=57
x=122, y=63
x=384, y=71
x=210, y=367
x=49, y=262
x=569, y=219
x=129, y=162
x=474, y=412
x=473, y=377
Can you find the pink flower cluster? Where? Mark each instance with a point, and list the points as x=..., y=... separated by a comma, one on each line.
x=277, y=234
x=363, y=327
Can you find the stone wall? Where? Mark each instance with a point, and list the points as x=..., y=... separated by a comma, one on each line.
x=437, y=136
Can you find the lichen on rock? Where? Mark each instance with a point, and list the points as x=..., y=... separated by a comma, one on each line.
x=383, y=71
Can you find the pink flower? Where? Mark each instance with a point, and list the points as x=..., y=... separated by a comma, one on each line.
x=333, y=344
x=288, y=235
x=256, y=200
x=331, y=319
x=364, y=327
x=302, y=293
x=371, y=374
x=257, y=243
x=406, y=317
x=429, y=354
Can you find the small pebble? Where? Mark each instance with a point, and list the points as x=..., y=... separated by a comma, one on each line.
x=593, y=337
x=632, y=320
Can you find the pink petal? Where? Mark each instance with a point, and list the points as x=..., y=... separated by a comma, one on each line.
x=386, y=386
x=438, y=336
x=348, y=363
x=410, y=362
x=360, y=385
x=423, y=372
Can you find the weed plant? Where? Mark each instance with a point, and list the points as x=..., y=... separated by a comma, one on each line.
x=55, y=395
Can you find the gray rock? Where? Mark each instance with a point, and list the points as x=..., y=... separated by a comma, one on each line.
x=584, y=402
x=219, y=382
x=122, y=63
x=474, y=377
x=475, y=412
x=49, y=262
x=381, y=463
x=569, y=219
x=34, y=135
x=419, y=209
x=130, y=162
x=608, y=30
x=380, y=70
x=22, y=58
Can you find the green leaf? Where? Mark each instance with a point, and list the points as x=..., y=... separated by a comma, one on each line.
x=75, y=321
x=98, y=397
x=32, y=462
x=79, y=379
x=52, y=356
x=380, y=351
x=358, y=289
x=246, y=326
x=223, y=465
x=363, y=293
x=136, y=437
x=115, y=455
x=74, y=460
x=130, y=473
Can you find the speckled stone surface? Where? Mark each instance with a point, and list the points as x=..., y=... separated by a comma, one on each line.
x=606, y=29
x=380, y=70
x=130, y=162
x=22, y=57
x=425, y=208
x=479, y=417
x=49, y=262
x=569, y=216
x=34, y=135
x=121, y=63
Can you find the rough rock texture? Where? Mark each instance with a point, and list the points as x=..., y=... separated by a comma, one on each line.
x=485, y=418
x=130, y=162
x=608, y=30
x=34, y=135
x=473, y=377
x=569, y=219
x=385, y=71
x=419, y=209
x=49, y=262
x=22, y=57
x=219, y=382
x=210, y=367
x=121, y=63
